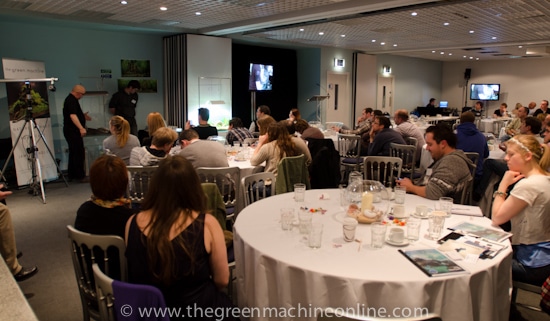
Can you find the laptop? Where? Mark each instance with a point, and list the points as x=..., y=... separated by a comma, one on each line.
x=443, y=104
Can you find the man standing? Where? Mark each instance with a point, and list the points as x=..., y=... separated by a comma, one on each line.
x=449, y=174
x=201, y=153
x=408, y=129
x=381, y=136
x=74, y=128
x=203, y=129
x=123, y=103
x=237, y=132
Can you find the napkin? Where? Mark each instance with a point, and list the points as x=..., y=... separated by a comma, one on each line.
x=466, y=210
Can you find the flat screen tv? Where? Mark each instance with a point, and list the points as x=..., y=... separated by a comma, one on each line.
x=260, y=77
x=484, y=91
x=443, y=104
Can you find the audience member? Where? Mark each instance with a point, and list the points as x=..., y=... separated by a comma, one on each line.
x=501, y=111
x=431, y=104
x=449, y=174
x=513, y=126
x=531, y=126
x=363, y=124
x=470, y=139
x=121, y=142
x=543, y=108
x=290, y=127
x=202, y=153
x=294, y=115
x=408, y=129
x=124, y=102
x=526, y=207
x=162, y=142
x=478, y=109
x=203, y=129
x=74, y=128
x=262, y=111
x=154, y=122
x=381, y=136
x=8, y=249
x=237, y=132
x=263, y=124
x=175, y=246
x=107, y=211
x=532, y=108
x=307, y=131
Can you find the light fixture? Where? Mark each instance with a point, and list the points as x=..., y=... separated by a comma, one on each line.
x=386, y=69
x=215, y=102
x=338, y=62
x=321, y=33
x=163, y=8
x=123, y=2
x=445, y=23
x=197, y=13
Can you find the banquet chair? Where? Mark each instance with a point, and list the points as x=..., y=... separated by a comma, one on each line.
x=324, y=171
x=407, y=153
x=349, y=147
x=385, y=169
x=254, y=187
x=516, y=285
x=87, y=249
x=291, y=170
x=227, y=179
x=467, y=195
x=113, y=296
x=139, y=182
x=411, y=141
x=332, y=314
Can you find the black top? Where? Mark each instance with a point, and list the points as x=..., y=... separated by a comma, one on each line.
x=124, y=104
x=94, y=219
x=206, y=131
x=71, y=106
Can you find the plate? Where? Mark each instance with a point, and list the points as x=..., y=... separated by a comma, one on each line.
x=418, y=216
x=404, y=243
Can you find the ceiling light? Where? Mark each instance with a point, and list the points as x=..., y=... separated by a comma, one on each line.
x=494, y=38
x=301, y=29
x=520, y=47
x=382, y=43
x=445, y=23
x=471, y=57
x=414, y=14
x=395, y=45
x=123, y=2
x=163, y=8
x=343, y=36
x=373, y=40
x=463, y=56
x=321, y=33
x=433, y=51
x=471, y=31
x=477, y=58
x=197, y=13
x=442, y=53
x=450, y=53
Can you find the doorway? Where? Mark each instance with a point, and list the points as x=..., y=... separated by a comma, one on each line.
x=384, y=94
x=338, y=108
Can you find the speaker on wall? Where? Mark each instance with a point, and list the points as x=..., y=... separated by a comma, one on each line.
x=467, y=73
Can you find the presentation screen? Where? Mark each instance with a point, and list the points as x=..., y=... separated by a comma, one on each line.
x=484, y=91
x=260, y=77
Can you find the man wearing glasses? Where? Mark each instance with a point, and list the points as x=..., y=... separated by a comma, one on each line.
x=381, y=136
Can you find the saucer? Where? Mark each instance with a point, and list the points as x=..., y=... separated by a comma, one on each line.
x=404, y=243
x=418, y=216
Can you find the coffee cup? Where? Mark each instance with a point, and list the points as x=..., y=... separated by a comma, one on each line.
x=399, y=210
x=421, y=210
x=396, y=235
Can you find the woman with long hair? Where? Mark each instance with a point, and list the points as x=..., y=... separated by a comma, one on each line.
x=294, y=115
x=121, y=142
x=526, y=207
x=154, y=122
x=174, y=245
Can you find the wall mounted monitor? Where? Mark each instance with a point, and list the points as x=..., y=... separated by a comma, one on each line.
x=260, y=77
x=484, y=91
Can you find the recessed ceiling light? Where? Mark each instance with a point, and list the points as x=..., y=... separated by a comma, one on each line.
x=163, y=8
x=520, y=47
x=301, y=29
x=445, y=23
x=321, y=33
x=395, y=45
x=477, y=58
x=343, y=36
x=494, y=38
x=463, y=56
x=382, y=43
x=197, y=13
x=373, y=40
x=414, y=14
x=433, y=51
x=450, y=53
x=123, y=2
x=442, y=53
x=471, y=31
x=471, y=57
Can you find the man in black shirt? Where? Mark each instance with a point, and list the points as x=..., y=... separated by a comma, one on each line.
x=123, y=103
x=204, y=129
x=74, y=128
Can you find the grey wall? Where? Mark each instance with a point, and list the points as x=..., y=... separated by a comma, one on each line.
x=309, y=60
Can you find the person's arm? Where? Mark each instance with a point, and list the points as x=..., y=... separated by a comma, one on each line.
x=260, y=155
x=411, y=188
x=127, y=229
x=4, y=194
x=262, y=140
x=214, y=240
x=504, y=208
x=76, y=122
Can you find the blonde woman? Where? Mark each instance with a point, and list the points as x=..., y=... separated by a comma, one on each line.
x=121, y=142
x=154, y=122
x=526, y=207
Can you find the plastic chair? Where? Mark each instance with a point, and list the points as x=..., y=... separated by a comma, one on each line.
x=291, y=170
x=349, y=147
x=332, y=314
x=85, y=249
x=139, y=182
x=227, y=179
x=385, y=169
x=251, y=187
x=407, y=153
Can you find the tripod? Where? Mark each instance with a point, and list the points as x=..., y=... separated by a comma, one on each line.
x=37, y=183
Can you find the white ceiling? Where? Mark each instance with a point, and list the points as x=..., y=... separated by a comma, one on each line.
x=502, y=29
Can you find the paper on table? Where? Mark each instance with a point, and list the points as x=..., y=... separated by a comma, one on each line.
x=466, y=210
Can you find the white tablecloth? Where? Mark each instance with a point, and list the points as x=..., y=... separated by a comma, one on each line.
x=437, y=119
x=277, y=269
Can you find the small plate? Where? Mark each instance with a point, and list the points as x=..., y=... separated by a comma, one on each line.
x=418, y=216
x=404, y=243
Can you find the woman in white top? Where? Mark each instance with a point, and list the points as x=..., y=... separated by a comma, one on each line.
x=526, y=207
x=121, y=142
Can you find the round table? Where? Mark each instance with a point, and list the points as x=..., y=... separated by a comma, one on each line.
x=277, y=269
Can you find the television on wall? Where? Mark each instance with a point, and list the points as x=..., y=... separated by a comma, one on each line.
x=260, y=77
x=484, y=91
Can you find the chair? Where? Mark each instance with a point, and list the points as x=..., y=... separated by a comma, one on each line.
x=227, y=179
x=139, y=182
x=291, y=170
x=349, y=147
x=411, y=141
x=219, y=139
x=113, y=296
x=88, y=249
x=250, y=187
x=407, y=153
x=332, y=314
x=324, y=171
x=466, y=198
x=525, y=287
x=384, y=169
x=250, y=141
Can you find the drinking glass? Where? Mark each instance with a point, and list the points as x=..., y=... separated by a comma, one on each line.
x=305, y=218
x=287, y=216
x=436, y=221
x=299, y=192
x=413, y=229
x=400, y=192
x=349, y=227
x=378, y=234
x=315, y=235
x=446, y=205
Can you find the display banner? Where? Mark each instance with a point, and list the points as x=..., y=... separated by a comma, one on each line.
x=17, y=104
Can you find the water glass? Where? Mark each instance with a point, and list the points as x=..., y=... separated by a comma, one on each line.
x=436, y=222
x=400, y=192
x=349, y=227
x=299, y=192
x=446, y=205
x=413, y=229
x=344, y=202
x=305, y=218
x=287, y=216
x=378, y=234
x=315, y=235
x=421, y=211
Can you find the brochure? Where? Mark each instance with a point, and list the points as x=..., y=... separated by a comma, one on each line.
x=432, y=262
x=466, y=244
x=481, y=231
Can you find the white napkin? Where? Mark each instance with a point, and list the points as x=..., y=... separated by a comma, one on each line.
x=466, y=210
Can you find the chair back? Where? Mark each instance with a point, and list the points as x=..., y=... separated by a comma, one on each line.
x=411, y=141
x=324, y=170
x=385, y=169
x=407, y=153
x=466, y=198
x=104, y=291
x=291, y=170
x=227, y=179
x=139, y=177
x=257, y=186
x=87, y=249
x=349, y=146
x=332, y=314
x=215, y=204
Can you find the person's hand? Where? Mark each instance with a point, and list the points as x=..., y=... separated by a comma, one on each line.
x=404, y=182
x=87, y=117
x=4, y=194
x=509, y=178
x=262, y=139
x=187, y=125
x=83, y=132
